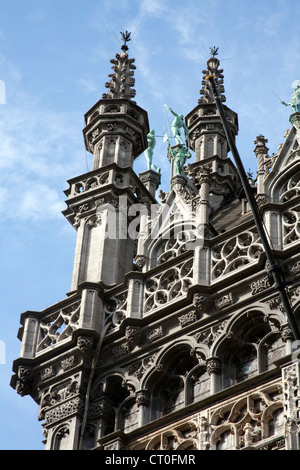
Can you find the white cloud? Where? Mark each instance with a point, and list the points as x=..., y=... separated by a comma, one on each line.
x=153, y=7
x=39, y=202
x=40, y=148
x=87, y=84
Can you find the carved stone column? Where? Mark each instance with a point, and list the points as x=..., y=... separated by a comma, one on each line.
x=203, y=434
x=135, y=298
x=291, y=394
x=261, y=152
x=30, y=334
x=205, y=181
x=288, y=338
x=142, y=398
x=214, y=367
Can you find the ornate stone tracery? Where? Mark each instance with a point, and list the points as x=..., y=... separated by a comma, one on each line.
x=167, y=286
x=58, y=326
x=235, y=253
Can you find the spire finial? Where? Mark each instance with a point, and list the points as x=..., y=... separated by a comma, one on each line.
x=214, y=51
x=122, y=79
x=126, y=38
x=212, y=69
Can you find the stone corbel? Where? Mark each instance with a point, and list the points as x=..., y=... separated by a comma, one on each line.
x=199, y=302
x=140, y=260
x=85, y=344
x=132, y=335
x=25, y=376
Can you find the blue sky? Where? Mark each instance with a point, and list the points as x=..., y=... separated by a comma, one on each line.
x=54, y=62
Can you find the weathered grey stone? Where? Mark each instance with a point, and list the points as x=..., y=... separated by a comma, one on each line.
x=173, y=336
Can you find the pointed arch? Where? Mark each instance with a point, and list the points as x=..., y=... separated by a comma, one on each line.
x=185, y=343
x=249, y=344
x=178, y=377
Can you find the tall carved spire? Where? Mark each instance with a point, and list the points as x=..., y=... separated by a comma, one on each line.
x=122, y=79
x=116, y=128
x=212, y=69
x=208, y=140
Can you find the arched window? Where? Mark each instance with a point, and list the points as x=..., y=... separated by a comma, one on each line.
x=251, y=348
x=245, y=363
x=172, y=395
x=110, y=403
x=182, y=380
x=272, y=349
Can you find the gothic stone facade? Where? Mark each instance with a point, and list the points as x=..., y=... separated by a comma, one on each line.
x=176, y=340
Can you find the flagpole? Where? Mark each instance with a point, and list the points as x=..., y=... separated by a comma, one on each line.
x=168, y=123
x=277, y=96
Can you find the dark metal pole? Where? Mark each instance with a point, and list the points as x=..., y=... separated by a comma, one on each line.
x=275, y=270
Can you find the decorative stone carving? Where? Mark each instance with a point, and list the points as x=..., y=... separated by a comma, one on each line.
x=93, y=221
x=199, y=302
x=142, y=397
x=70, y=407
x=224, y=301
x=112, y=126
x=249, y=436
x=58, y=325
x=179, y=437
x=83, y=208
x=154, y=334
x=85, y=343
x=47, y=372
x=132, y=335
x=260, y=285
x=69, y=362
x=168, y=285
x=115, y=307
x=214, y=365
x=59, y=393
x=121, y=350
x=187, y=318
x=178, y=243
x=121, y=80
x=286, y=333
x=261, y=200
x=291, y=382
x=291, y=188
x=62, y=432
x=138, y=369
x=275, y=304
x=23, y=385
x=295, y=268
x=140, y=260
x=242, y=249
x=209, y=335
x=204, y=443
x=101, y=408
x=291, y=226
x=233, y=419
